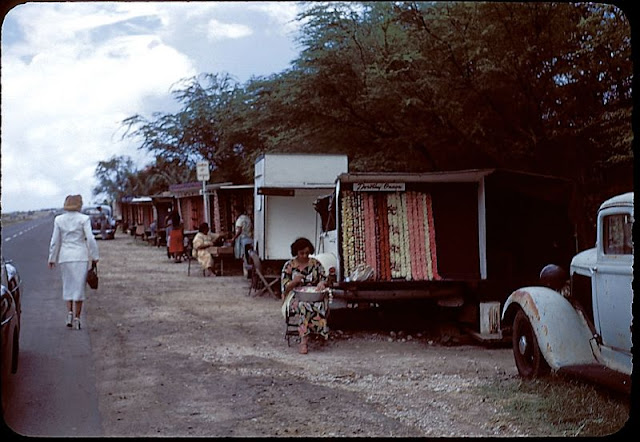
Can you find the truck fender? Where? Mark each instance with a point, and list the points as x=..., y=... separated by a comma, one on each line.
x=562, y=333
x=328, y=260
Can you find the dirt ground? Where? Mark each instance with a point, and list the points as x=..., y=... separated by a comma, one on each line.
x=179, y=355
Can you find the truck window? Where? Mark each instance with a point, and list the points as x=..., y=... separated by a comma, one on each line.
x=617, y=234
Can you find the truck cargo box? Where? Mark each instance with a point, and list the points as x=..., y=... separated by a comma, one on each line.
x=286, y=185
x=469, y=234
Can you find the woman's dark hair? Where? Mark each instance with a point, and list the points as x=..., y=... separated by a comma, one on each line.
x=299, y=244
x=204, y=228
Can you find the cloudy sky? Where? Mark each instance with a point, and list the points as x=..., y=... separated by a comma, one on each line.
x=72, y=71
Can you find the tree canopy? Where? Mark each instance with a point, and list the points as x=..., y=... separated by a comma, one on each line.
x=424, y=86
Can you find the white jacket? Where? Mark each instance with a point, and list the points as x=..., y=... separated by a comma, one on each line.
x=72, y=239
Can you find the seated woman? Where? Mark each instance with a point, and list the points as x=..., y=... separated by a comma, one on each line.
x=303, y=270
x=202, y=243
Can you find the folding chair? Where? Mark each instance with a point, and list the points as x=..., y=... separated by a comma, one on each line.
x=259, y=281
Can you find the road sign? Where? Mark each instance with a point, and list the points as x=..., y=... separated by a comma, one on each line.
x=202, y=170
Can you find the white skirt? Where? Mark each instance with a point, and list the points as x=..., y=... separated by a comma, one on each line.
x=74, y=280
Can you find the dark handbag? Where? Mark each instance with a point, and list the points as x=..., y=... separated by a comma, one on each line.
x=92, y=276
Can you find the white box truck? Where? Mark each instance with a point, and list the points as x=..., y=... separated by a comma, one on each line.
x=286, y=186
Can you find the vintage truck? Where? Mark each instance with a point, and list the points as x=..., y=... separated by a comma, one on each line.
x=462, y=239
x=583, y=327
x=95, y=215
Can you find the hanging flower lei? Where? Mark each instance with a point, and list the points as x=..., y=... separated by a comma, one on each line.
x=405, y=256
x=374, y=234
x=383, y=236
x=390, y=211
x=402, y=271
x=421, y=237
x=432, y=238
x=369, y=231
x=427, y=248
x=347, y=232
x=353, y=241
x=394, y=236
x=360, y=236
x=392, y=233
x=365, y=228
x=413, y=236
x=377, y=238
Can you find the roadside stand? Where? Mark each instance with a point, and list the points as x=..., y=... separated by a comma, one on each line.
x=222, y=253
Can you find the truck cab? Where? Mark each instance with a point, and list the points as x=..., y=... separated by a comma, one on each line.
x=585, y=327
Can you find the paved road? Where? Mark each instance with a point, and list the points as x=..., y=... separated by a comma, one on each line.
x=54, y=392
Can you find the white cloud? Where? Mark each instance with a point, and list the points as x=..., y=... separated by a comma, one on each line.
x=281, y=14
x=223, y=31
x=64, y=97
x=72, y=71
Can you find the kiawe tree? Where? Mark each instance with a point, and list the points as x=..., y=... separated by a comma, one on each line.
x=114, y=177
x=198, y=131
x=420, y=86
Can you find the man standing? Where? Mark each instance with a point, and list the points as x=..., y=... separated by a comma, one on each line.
x=102, y=219
x=244, y=232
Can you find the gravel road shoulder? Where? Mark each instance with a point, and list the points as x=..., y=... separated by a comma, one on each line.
x=179, y=355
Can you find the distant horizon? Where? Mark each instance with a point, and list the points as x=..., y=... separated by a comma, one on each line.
x=29, y=211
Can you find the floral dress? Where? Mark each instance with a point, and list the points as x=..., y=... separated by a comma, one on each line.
x=312, y=315
x=203, y=255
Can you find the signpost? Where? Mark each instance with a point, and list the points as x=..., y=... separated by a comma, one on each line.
x=202, y=172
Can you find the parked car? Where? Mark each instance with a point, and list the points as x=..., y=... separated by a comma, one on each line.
x=10, y=329
x=583, y=328
x=94, y=214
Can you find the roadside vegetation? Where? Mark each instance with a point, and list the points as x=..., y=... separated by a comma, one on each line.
x=414, y=87
x=570, y=407
x=18, y=217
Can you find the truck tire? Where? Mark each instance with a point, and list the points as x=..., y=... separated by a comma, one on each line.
x=526, y=351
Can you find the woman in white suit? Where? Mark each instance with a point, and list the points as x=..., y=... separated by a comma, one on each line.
x=72, y=246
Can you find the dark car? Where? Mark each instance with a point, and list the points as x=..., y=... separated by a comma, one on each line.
x=95, y=215
x=11, y=311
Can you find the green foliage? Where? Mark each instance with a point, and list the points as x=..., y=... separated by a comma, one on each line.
x=201, y=130
x=420, y=86
x=114, y=177
x=118, y=177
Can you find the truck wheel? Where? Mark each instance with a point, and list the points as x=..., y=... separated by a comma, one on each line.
x=529, y=360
